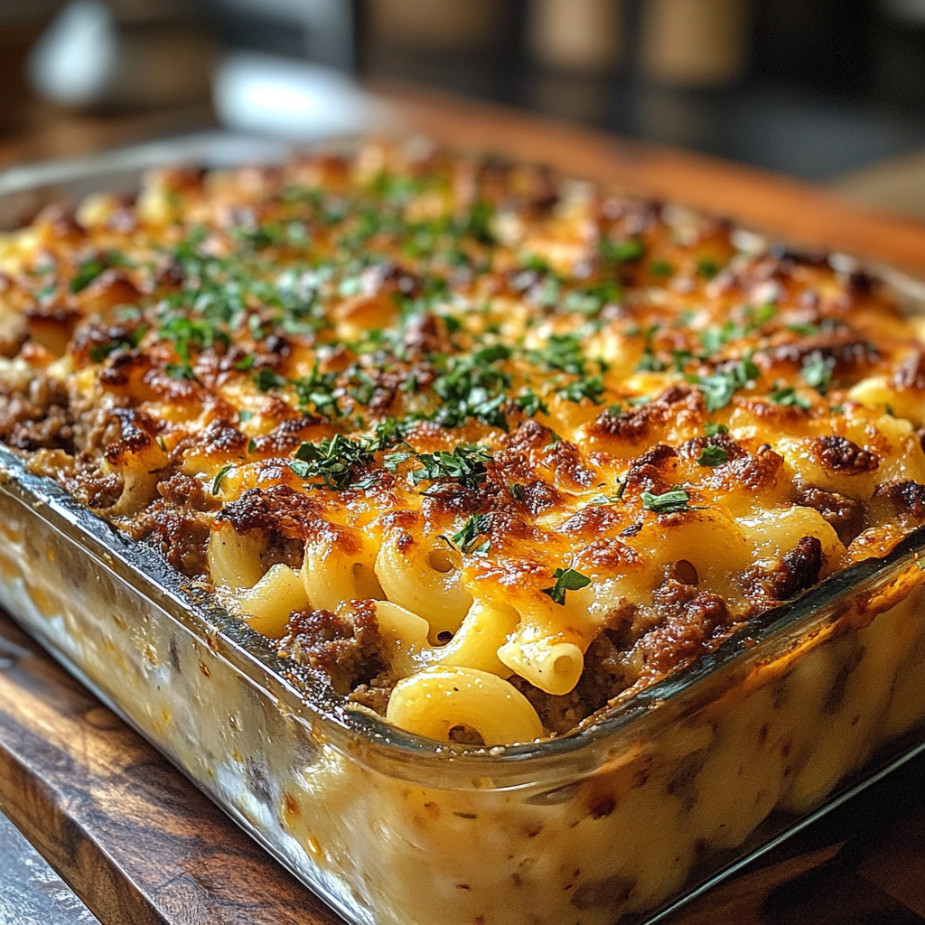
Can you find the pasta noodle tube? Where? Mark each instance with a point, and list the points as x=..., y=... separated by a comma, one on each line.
x=440, y=698
x=474, y=645
x=339, y=566
x=709, y=540
x=482, y=633
x=877, y=393
x=777, y=531
x=406, y=633
x=234, y=558
x=424, y=580
x=269, y=603
x=547, y=661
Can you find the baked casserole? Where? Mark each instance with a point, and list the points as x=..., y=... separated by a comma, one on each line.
x=491, y=453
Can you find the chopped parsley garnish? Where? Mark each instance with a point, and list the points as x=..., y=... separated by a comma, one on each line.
x=466, y=465
x=719, y=387
x=387, y=434
x=671, y=502
x=562, y=352
x=648, y=361
x=535, y=263
x=714, y=339
x=567, y=579
x=473, y=386
x=531, y=403
x=787, y=395
x=180, y=371
x=817, y=372
x=627, y=251
x=760, y=315
x=334, y=461
x=467, y=539
x=273, y=234
x=591, y=387
x=591, y=300
x=616, y=497
x=712, y=456
x=126, y=341
x=317, y=390
x=804, y=329
x=266, y=379
x=707, y=268
x=711, y=429
x=478, y=222
x=187, y=334
x=219, y=478
x=86, y=273
x=392, y=462
x=661, y=268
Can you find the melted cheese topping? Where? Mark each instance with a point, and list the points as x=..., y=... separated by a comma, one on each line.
x=490, y=448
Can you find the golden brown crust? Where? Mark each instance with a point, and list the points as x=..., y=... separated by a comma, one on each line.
x=476, y=361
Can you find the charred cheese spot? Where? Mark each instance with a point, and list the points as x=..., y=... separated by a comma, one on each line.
x=843, y=457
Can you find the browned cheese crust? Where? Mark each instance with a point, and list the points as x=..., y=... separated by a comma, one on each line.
x=602, y=417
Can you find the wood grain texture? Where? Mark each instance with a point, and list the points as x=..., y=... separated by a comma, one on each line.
x=131, y=836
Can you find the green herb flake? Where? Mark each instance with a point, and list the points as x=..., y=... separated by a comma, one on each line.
x=712, y=429
x=129, y=341
x=266, y=379
x=661, y=268
x=591, y=387
x=86, y=273
x=817, y=372
x=392, y=461
x=804, y=329
x=530, y=403
x=219, y=478
x=671, y=502
x=466, y=465
x=712, y=456
x=719, y=387
x=180, y=371
x=789, y=397
x=334, y=461
x=466, y=540
x=567, y=579
x=592, y=299
x=627, y=251
x=707, y=268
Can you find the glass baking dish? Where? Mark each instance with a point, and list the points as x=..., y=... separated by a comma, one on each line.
x=620, y=821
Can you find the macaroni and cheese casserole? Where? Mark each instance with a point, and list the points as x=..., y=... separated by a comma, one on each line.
x=489, y=449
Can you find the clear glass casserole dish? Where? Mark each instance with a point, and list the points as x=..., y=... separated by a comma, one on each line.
x=619, y=820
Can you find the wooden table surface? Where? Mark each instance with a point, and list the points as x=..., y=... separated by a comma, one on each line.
x=126, y=839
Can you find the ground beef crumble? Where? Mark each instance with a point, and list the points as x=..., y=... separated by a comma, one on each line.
x=346, y=647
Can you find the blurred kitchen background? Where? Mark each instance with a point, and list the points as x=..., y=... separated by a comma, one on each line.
x=831, y=91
